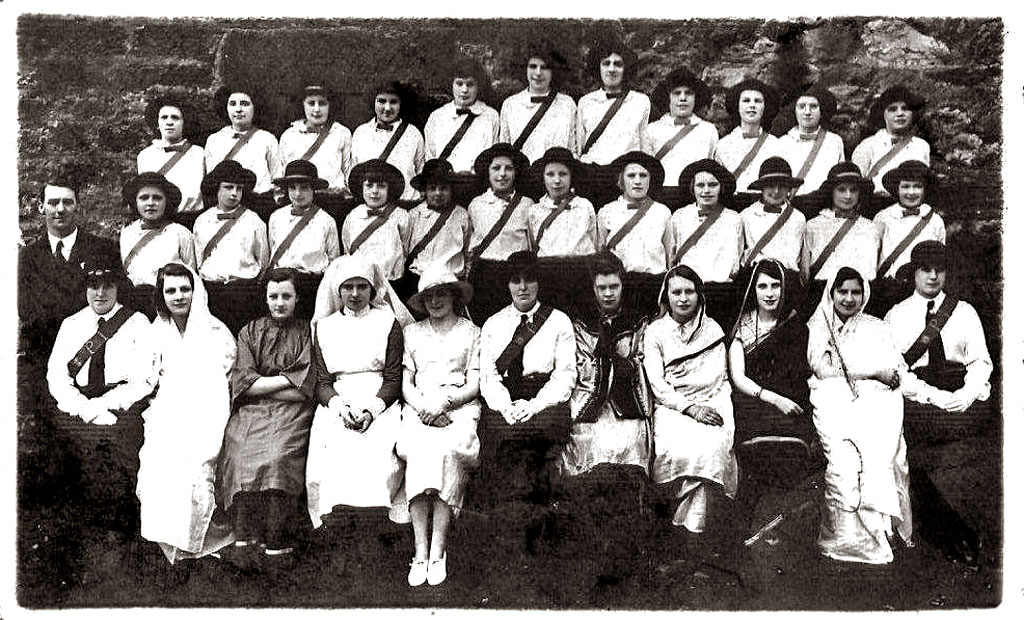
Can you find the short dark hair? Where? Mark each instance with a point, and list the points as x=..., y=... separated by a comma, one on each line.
x=224, y=93
x=605, y=48
x=280, y=274
x=62, y=174
x=551, y=57
x=605, y=263
x=844, y=274
x=170, y=269
x=405, y=93
x=188, y=116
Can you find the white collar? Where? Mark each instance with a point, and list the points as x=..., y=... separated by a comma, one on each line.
x=938, y=299
x=529, y=313
x=110, y=314
x=69, y=242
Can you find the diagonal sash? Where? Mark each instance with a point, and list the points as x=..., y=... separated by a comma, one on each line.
x=831, y=247
x=630, y=224
x=696, y=235
x=242, y=141
x=170, y=163
x=806, y=167
x=901, y=247
x=534, y=121
x=492, y=234
x=390, y=146
x=751, y=154
x=371, y=228
x=558, y=210
x=769, y=234
x=523, y=334
x=674, y=140
x=896, y=148
x=457, y=137
x=98, y=340
x=931, y=330
x=321, y=137
x=432, y=232
x=304, y=221
x=217, y=236
x=603, y=124
x=141, y=243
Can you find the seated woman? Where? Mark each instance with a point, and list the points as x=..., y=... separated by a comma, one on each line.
x=768, y=368
x=357, y=348
x=685, y=360
x=172, y=155
x=438, y=439
x=243, y=141
x=153, y=240
x=262, y=469
x=184, y=426
x=858, y=414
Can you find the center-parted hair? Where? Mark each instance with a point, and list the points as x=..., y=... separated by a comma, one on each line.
x=168, y=270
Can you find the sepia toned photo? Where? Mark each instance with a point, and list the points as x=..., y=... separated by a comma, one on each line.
x=570, y=314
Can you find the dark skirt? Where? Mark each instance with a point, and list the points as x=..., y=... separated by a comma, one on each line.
x=598, y=184
x=237, y=302
x=139, y=298
x=490, y=289
x=565, y=283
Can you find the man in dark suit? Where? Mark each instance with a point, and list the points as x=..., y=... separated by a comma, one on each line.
x=51, y=277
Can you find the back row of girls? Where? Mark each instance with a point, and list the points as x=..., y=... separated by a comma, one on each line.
x=600, y=127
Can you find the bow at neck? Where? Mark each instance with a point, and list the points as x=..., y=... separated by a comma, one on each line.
x=609, y=95
x=772, y=208
x=301, y=212
x=539, y=98
x=386, y=126
x=464, y=112
x=636, y=204
x=231, y=215
x=177, y=148
x=909, y=211
x=146, y=225
x=241, y=134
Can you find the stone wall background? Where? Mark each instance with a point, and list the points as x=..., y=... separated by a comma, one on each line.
x=84, y=83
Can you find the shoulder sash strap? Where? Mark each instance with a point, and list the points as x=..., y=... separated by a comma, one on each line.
x=751, y=154
x=96, y=342
x=217, y=236
x=831, y=247
x=371, y=228
x=523, y=334
x=904, y=243
x=896, y=148
x=696, y=235
x=769, y=234
x=457, y=136
x=492, y=234
x=534, y=121
x=690, y=356
x=292, y=234
x=313, y=148
x=630, y=224
x=815, y=148
x=551, y=218
x=141, y=243
x=931, y=330
x=603, y=124
x=432, y=232
x=170, y=163
x=393, y=141
x=674, y=140
x=242, y=141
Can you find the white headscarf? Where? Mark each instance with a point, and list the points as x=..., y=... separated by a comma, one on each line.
x=346, y=267
x=825, y=318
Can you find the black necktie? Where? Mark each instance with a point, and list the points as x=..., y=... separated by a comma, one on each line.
x=97, y=364
x=59, y=253
x=936, y=352
x=515, y=367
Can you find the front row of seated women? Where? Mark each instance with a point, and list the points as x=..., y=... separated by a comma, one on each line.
x=367, y=410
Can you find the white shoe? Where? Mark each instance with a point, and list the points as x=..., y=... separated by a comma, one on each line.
x=417, y=573
x=437, y=570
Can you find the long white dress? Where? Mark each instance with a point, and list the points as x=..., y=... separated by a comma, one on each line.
x=866, y=475
x=184, y=429
x=440, y=458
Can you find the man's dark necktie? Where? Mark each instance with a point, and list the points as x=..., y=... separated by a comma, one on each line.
x=97, y=365
x=936, y=351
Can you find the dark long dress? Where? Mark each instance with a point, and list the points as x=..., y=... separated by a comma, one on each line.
x=266, y=440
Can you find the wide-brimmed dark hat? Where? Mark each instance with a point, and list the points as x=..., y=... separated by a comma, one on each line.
x=775, y=171
x=556, y=155
x=910, y=170
x=502, y=149
x=151, y=179
x=675, y=79
x=301, y=170
x=771, y=99
x=926, y=254
x=649, y=163
x=380, y=169
x=435, y=172
x=227, y=171
x=846, y=172
x=720, y=172
x=521, y=264
x=915, y=102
